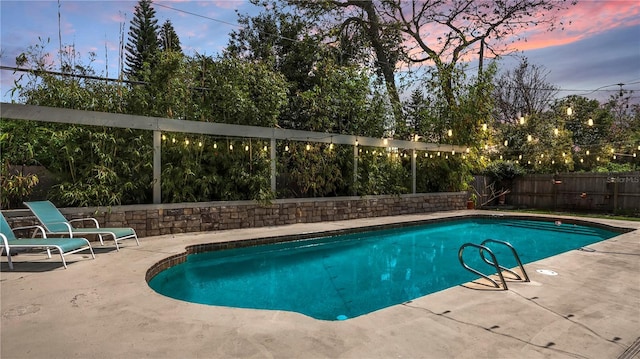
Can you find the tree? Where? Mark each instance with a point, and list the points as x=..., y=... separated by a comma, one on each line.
x=522, y=91
x=169, y=40
x=142, y=46
x=439, y=33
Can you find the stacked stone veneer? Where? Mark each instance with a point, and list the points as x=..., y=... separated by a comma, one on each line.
x=152, y=220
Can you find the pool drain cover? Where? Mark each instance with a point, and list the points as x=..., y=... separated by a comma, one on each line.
x=546, y=272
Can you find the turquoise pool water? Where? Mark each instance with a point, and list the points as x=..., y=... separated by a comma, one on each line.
x=340, y=277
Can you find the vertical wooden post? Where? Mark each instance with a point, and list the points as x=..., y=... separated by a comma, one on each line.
x=273, y=164
x=157, y=167
x=413, y=170
x=355, y=169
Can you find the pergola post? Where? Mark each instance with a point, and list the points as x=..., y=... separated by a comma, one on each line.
x=157, y=167
x=273, y=164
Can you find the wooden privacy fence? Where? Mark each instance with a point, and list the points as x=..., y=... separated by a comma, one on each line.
x=600, y=192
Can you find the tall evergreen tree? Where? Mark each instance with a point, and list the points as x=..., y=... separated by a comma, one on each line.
x=169, y=40
x=142, y=45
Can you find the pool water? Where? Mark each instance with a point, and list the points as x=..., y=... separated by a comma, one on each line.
x=341, y=277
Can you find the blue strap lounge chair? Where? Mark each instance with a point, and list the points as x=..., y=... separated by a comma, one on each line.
x=55, y=223
x=64, y=246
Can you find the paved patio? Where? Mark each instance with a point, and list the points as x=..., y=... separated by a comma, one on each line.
x=103, y=308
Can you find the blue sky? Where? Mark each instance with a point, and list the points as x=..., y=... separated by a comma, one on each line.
x=601, y=47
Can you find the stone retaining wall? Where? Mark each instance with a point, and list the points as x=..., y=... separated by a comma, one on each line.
x=152, y=220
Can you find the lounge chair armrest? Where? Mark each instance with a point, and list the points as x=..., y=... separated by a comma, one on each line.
x=95, y=221
x=37, y=228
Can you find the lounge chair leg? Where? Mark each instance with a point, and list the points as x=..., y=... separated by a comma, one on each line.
x=8, y=257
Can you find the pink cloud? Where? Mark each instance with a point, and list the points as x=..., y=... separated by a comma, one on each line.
x=586, y=19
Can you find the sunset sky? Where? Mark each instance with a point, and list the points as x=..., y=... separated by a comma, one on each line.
x=597, y=51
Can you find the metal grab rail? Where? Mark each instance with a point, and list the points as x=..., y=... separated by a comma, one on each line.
x=482, y=248
x=515, y=255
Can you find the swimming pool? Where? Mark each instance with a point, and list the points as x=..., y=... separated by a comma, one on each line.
x=345, y=276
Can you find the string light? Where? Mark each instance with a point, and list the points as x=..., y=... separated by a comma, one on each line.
x=569, y=111
x=186, y=142
x=555, y=131
x=200, y=144
x=173, y=140
x=484, y=127
x=286, y=148
x=590, y=122
x=308, y=147
x=587, y=152
x=522, y=120
x=230, y=147
x=164, y=137
x=529, y=138
x=215, y=145
x=265, y=148
x=331, y=146
x=246, y=147
x=450, y=133
x=506, y=143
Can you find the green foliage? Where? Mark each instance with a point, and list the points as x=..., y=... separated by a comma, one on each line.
x=169, y=40
x=15, y=186
x=142, y=46
x=381, y=172
x=444, y=172
x=502, y=173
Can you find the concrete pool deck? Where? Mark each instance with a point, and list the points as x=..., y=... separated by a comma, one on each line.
x=103, y=308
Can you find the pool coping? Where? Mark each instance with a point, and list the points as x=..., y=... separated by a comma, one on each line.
x=103, y=308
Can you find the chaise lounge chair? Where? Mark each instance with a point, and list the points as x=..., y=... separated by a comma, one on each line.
x=63, y=245
x=55, y=223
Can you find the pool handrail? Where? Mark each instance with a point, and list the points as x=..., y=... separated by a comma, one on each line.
x=482, y=248
x=515, y=255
